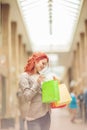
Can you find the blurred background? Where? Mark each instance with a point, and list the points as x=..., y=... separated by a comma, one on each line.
x=57, y=27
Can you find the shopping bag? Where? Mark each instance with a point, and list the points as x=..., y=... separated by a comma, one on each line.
x=50, y=91
x=54, y=105
x=65, y=97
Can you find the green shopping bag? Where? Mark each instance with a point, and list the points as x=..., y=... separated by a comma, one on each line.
x=50, y=91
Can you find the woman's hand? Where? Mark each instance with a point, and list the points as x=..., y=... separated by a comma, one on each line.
x=40, y=78
x=54, y=78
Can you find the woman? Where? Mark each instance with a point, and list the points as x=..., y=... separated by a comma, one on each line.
x=36, y=113
x=73, y=106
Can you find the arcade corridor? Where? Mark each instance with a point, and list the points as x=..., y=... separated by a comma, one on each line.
x=56, y=27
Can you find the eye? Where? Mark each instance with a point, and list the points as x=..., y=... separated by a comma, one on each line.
x=44, y=63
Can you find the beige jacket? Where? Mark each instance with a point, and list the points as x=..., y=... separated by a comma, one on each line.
x=30, y=98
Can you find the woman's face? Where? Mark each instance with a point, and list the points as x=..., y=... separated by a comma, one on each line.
x=40, y=65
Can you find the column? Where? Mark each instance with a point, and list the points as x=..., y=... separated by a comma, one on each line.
x=86, y=44
x=76, y=65
x=6, y=44
x=15, y=49
x=20, y=53
x=82, y=58
x=0, y=30
x=13, y=41
x=14, y=67
x=78, y=59
x=24, y=53
x=79, y=63
x=85, y=51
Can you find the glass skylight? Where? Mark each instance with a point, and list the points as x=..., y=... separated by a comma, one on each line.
x=65, y=14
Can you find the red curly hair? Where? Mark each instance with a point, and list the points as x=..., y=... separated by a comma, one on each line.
x=36, y=57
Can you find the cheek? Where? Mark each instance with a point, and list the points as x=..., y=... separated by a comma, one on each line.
x=37, y=66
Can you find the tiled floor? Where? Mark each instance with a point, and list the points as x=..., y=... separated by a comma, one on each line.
x=60, y=120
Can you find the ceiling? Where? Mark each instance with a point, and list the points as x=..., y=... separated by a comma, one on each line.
x=50, y=23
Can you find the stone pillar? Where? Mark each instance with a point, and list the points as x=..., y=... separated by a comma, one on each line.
x=82, y=62
x=79, y=63
x=76, y=66
x=85, y=51
x=15, y=49
x=13, y=41
x=78, y=59
x=0, y=29
x=24, y=53
x=15, y=54
x=80, y=56
x=86, y=44
x=20, y=53
x=82, y=40
x=26, y=57
x=6, y=41
x=23, y=56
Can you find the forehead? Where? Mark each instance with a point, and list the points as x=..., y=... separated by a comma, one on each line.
x=43, y=60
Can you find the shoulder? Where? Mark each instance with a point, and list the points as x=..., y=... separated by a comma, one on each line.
x=24, y=75
x=23, y=80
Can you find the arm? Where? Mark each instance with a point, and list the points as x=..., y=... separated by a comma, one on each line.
x=28, y=86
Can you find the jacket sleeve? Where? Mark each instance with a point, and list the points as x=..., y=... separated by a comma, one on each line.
x=29, y=87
